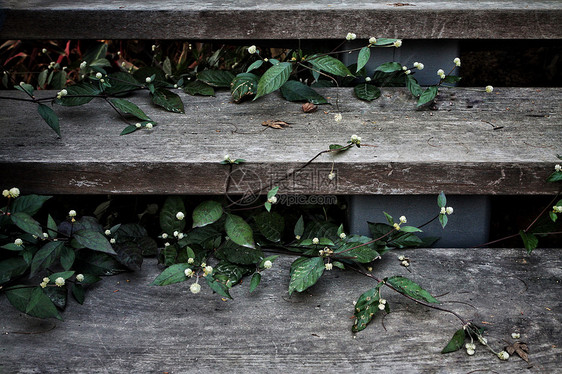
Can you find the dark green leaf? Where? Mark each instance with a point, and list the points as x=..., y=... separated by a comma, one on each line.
x=156, y=75
x=555, y=177
x=94, y=240
x=330, y=65
x=128, y=130
x=256, y=278
x=368, y=92
x=305, y=272
x=271, y=225
x=405, y=240
x=95, y=53
x=170, y=254
x=168, y=100
x=366, y=307
x=456, y=342
x=198, y=88
x=29, y=204
x=238, y=254
x=441, y=200
x=67, y=257
x=96, y=263
x=86, y=91
x=78, y=293
x=443, y=219
x=530, y=241
x=129, y=254
x=50, y=117
x=58, y=296
x=229, y=274
x=12, y=268
x=299, y=227
x=51, y=227
x=59, y=80
x=274, y=78
x=297, y=91
x=121, y=84
x=239, y=231
x=218, y=287
x=428, y=95
x=451, y=79
x=26, y=223
x=384, y=41
x=413, y=86
x=207, y=213
x=389, y=67
x=168, y=221
x=244, y=85
x=409, y=229
x=12, y=247
x=42, y=79
x=20, y=297
x=171, y=275
x=216, y=78
x=255, y=65
x=363, y=58
x=363, y=254
x=62, y=274
x=128, y=107
x=412, y=289
x=25, y=87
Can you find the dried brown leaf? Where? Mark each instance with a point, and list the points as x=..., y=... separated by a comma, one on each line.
x=520, y=348
x=275, y=124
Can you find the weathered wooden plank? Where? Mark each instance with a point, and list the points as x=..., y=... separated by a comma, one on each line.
x=302, y=19
x=454, y=149
x=128, y=326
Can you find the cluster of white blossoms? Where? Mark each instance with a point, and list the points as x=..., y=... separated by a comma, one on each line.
x=470, y=348
x=402, y=220
x=11, y=193
x=272, y=199
x=515, y=335
x=328, y=266
x=207, y=270
x=457, y=61
x=441, y=73
x=267, y=264
x=80, y=278
x=557, y=209
x=419, y=65
x=72, y=213
x=18, y=242
x=489, y=89
x=188, y=272
x=406, y=70
x=397, y=43
x=83, y=65
x=252, y=49
x=342, y=235
x=350, y=36
x=382, y=304
x=355, y=139
x=180, y=215
x=315, y=241
x=195, y=288
x=45, y=282
x=448, y=210
x=557, y=167
x=179, y=235
x=59, y=281
x=404, y=261
x=62, y=93
x=503, y=355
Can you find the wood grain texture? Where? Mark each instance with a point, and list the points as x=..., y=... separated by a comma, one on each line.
x=454, y=149
x=130, y=327
x=278, y=19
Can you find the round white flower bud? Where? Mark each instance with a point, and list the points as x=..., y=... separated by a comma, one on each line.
x=166, y=244
x=315, y=241
x=80, y=278
x=252, y=49
x=420, y=66
x=18, y=242
x=401, y=258
x=272, y=200
x=515, y=335
x=195, y=288
x=99, y=75
x=470, y=352
x=149, y=126
x=338, y=117
x=148, y=80
x=72, y=213
x=208, y=269
x=43, y=284
x=45, y=235
x=381, y=307
x=180, y=215
x=180, y=235
x=350, y=36
x=328, y=266
x=14, y=192
x=457, y=61
x=342, y=235
x=267, y=264
x=372, y=40
x=398, y=43
x=443, y=210
x=59, y=281
x=405, y=263
x=188, y=272
x=190, y=260
x=164, y=236
x=44, y=50
x=403, y=219
x=176, y=233
x=6, y=193
x=138, y=125
x=489, y=89
x=408, y=72
x=557, y=167
x=107, y=232
x=83, y=65
x=46, y=280
x=331, y=176
x=503, y=355
x=298, y=237
x=449, y=210
x=368, y=79
x=112, y=240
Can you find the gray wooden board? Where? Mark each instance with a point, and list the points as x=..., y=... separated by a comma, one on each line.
x=127, y=326
x=278, y=19
x=454, y=149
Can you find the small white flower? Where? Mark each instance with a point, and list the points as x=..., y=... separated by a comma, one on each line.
x=331, y=176
x=123, y=64
x=190, y=260
x=298, y=237
x=153, y=47
x=148, y=80
x=355, y=139
x=382, y=301
x=14, y=192
x=80, y=278
x=227, y=158
x=180, y=215
x=138, y=125
x=489, y=89
x=149, y=126
x=401, y=258
x=405, y=263
x=107, y=232
x=338, y=117
x=166, y=244
x=408, y=72
x=557, y=208
x=342, y=235
x=176, y=233
x=83, y=65
x=45, y=235
x=482, y=340
x=397, y=226
x=252, y=49
x=195, y=288
x=43, y=284
x=398, y=43
x=44, y=50
x=164, y=236
x=470, y=352
x=208, y=269
x=46, y=280
x=557, y=167
x=18, y=242
x=350, y=36
x=328, y=266
x=449, y=210
x=272, y=200
x=6, y=193
x=515, y=335
x=381, y=306
x=367, y=79
x=420, y=66
x=180, y=235
x=503, y=355
x=441, y=73
x=443, y=210
x=404, y=67
x=112, y=240
x=315, y=241
x=372, y=40
x=188, y=272
x=72, y=213
x=267, y=264
x=457, y=61
x=59, y=281
x=99, y=75
x=403, y=219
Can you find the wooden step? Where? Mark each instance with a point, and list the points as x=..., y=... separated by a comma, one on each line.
x=476, y=143
x=279, y=19
x=127, y=326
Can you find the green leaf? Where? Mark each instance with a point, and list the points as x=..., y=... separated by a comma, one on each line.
x=59, y=80
x=272, y=192
x=555, y=177
x=128, y=107
x=413, y=86
x=244, y=85
x=239, y=231
x=86, y=90
x=456, y=342
x=171, y=275
x=24, y=87
x=366, y=307
x=94, y=240
x=42, y=79
x=12, y=247
x=409, y=229
x=198, y=88
x=330, y=65
x=384, y=41
x=95, y=53
x=12, y=268
x=96, y=263
x=167, y=66
x=363, y=254
x=530, y=241
x=389, y=67
x=50, y=117
x=168, y=100
x=62, y=274
x=299, y=227
x=274, y=78
x=218, y=287
x=271, y=225
x=121, y=84
x=51, y=227
x=255, y=65
x=363, y=58
x=157, y=76
x=367, y=92
x=67, y=257
x=216, y=78
x=441, y=200
x=129, y=253
x=297, y=91
x=20, y=298
x=168, y=221
x=26, y=223
x=443, y=219
x=256, y=278
x=305, y=272
x=405, y=240
x=428, y=95
x=128, y=130
x=29, y=204
x=553, y=216
x=412, y=289
x=451, y=79
x=78, y=293
x=170, y=254
x=206, y=213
